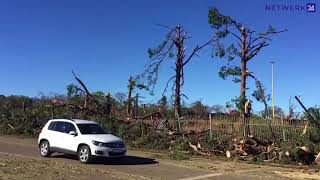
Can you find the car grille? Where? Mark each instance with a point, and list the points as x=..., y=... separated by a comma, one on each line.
x=114, y=145
x=116, y=153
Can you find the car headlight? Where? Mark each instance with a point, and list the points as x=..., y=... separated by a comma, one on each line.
x=97, y=143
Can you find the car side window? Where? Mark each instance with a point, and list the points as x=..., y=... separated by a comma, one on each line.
x=69, y=127
x=64, y=127
x=60, y=127
x=52, y=126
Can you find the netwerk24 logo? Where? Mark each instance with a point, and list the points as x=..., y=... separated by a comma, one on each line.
x=308, y=7
x=311, y=7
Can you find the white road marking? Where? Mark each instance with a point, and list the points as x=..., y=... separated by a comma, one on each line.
x=202, y=176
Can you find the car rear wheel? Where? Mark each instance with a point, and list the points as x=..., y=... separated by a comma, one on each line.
x=84, y=154
x=44, y=149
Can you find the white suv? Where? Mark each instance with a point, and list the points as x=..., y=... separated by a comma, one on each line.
x=79, y=137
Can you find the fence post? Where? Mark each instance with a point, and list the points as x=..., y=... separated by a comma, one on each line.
x=210, y=124
x=179, y=125
x=283, y=131
x=244, y=125
x=141, y=126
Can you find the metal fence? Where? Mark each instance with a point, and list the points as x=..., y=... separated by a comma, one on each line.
x=279, y=128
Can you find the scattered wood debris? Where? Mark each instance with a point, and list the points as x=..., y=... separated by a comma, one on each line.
x=202, y=151
x=253, y=147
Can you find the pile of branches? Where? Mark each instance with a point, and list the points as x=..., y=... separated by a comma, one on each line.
x=253, y=148
x=245, y=149
x=203, y=151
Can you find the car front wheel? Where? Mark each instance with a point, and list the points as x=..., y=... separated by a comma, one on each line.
x=45, y=149
x=84, y=154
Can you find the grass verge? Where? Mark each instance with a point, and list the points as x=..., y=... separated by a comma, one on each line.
x=17, y=168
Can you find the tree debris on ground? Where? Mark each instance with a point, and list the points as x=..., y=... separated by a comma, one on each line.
x=253, y=148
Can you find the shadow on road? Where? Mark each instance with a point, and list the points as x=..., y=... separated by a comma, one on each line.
x=127, y=160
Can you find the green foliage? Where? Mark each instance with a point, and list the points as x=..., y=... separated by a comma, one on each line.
x=216, y=19
x=245, y=46
x=98, y=94
x=315, y=112
x=219, y=49
x=278, y=111
x=222, y=34
x=163, y=101
x=217, y=108
x=152, y=52
x=259, y=95
x=178, y=155
x=142, y=86
x=73, y=90
x=222, y=25
x=151, y=140
x=15, y=120
x=156, y=57
x=198, y=108
x=270, y=29
x=226, y=71
x=232, y=52
x=229, y=105
x=179, y=149
x=237, y=102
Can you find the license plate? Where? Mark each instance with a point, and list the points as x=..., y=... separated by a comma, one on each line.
x=117, y=150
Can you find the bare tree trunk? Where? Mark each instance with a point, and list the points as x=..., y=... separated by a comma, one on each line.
x=265, y=109
x=24, y=106
x=108, y=108
x=179, y=43
x=243, y=66
x=243, y=79
x=179, y=66
x=136, y=105
x=129, y=106
x=52, y=111
x=177, y=101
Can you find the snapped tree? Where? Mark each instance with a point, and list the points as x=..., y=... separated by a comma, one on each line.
x=132, y=84
x=173, y=49
x=245, y=45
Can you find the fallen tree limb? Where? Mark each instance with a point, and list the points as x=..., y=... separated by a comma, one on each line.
x=305, y=129
x=10, y=126
x=252, y=147
x=195, y=148
x=317, y=160
x=82, y=84
x=271, y=160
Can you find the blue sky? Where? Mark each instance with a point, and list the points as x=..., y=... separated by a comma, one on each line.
x=104, y=42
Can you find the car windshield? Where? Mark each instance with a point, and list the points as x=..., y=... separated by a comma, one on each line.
x=91, y=129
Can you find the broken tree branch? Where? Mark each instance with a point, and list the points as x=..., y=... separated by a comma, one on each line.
x=82, y=84
x=198, y=48
x=195, y=148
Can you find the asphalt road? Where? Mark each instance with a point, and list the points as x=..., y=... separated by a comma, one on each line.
x=137, y=163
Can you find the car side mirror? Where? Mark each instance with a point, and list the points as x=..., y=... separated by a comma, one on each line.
x=73, y=133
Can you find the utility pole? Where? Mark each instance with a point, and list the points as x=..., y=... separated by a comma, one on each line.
x=272, y=75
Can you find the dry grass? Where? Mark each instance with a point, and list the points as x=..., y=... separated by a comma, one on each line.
x=240, y=168
x=17, y=168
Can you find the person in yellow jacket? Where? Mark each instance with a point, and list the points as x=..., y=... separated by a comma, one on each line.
x=247, y=108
